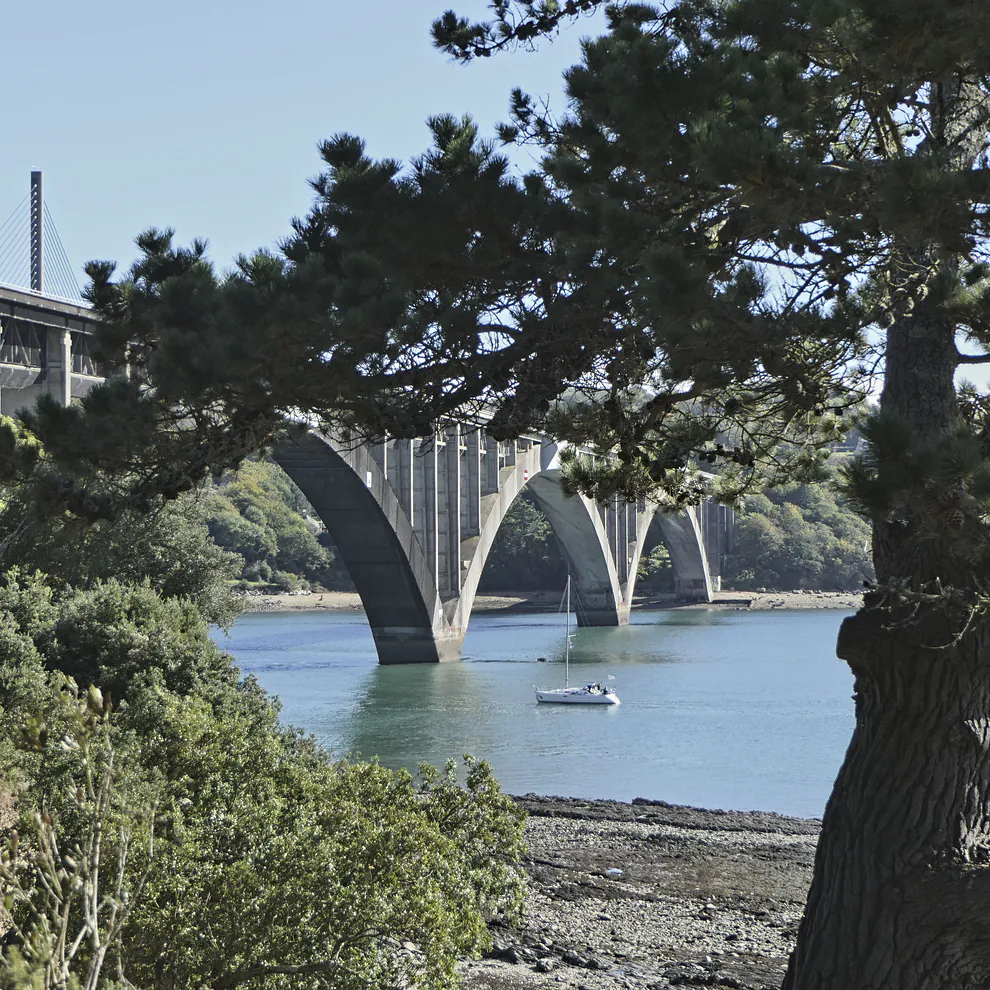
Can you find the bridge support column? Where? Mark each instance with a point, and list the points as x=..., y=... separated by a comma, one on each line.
x=685, y=543
x=396, y=646
x=351, y=494
x=59, y=365
x=583, y=537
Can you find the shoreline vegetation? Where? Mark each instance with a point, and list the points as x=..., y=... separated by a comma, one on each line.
x=654, y=895
x=549, y=601
x=646, y=893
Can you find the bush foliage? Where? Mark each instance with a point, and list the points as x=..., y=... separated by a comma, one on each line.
x=238, y=853
x=261, y=515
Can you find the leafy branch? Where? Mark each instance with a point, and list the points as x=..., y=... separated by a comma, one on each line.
x=66, y=907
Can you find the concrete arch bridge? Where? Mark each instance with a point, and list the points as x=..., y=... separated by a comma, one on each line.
x=414, y=521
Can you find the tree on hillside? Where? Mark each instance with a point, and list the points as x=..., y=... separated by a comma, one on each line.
x=525, y=555
x=749, y=203
x=261, y=515
x=798, y=536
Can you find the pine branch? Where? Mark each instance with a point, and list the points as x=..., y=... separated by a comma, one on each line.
x=519, y=23
x=972, y=358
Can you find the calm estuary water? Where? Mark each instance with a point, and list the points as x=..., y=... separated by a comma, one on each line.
x=744, y=710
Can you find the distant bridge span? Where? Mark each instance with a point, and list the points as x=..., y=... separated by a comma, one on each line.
x=413, y=520
x=44, y=349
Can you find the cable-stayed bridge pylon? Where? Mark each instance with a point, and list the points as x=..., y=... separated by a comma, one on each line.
x=32, y=255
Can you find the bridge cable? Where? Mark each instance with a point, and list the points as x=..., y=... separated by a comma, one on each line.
x=18, y=213
x=62, y=282
x=66, y=283
x=15, y=244
x=12, y=247
x=60, y=261
x=15, y=259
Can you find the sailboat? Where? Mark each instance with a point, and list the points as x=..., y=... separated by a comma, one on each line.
x=591, y=693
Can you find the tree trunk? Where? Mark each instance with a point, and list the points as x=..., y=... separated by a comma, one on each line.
x=901, y=890
x=900, y=898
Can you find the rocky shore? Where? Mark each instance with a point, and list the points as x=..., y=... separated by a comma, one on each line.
x=334, y=601
x=652, y=895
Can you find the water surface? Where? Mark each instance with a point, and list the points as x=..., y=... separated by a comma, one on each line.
x=745, y=710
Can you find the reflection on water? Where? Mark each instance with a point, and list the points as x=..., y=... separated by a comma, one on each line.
x=721, y=709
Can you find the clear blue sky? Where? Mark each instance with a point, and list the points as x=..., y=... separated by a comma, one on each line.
x=205, y=115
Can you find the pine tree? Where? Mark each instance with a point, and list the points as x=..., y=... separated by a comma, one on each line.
x=751, y=208
x=782, y=179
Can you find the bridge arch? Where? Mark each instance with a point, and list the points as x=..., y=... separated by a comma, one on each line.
x=583, y=540
x=415, y=529
x=684, y=539
x=376, y=540
x=580, y=534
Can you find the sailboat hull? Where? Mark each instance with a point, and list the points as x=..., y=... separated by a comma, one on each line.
x=575, y=696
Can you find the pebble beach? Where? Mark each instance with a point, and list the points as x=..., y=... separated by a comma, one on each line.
x=652, y=895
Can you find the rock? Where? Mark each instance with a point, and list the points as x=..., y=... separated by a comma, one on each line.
x=505, y=953
x=544, y=965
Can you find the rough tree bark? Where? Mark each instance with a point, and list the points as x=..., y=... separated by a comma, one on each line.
x=901, y=889
x=901, y=886
x=900, y=898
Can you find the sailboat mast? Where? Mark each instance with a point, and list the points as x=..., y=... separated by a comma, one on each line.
x=567, y=641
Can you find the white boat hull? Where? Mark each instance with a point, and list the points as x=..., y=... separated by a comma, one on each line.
x=576, y=696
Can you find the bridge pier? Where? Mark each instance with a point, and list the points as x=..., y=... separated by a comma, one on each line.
x=59, y=370
x=397, y=645
x=387, y=562
x=684, y=539
x=583, y=541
